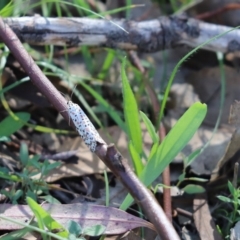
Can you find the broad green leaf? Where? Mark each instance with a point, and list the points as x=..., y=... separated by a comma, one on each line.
x=9, y=125
x=137, y=162
x=172, y=144
x=131, y=112
x=193, y=189
x=151, y=130
x=48, y=221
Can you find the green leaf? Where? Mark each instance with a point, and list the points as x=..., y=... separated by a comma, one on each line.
x=231, y=188
x=95, y=230
x=107, y=64
x=44, y=216
x=137, y=162
x=74, y=228
x=9, y=125
x=193, y=189
x=153, y=150
x=131, y=112
x=32, y=228
x=17, y=195
x=182, y=177
x=4, y=139
x=225, y=199
x=19, y=234
x=6, y=8
x=172, y=144
x=151, y=130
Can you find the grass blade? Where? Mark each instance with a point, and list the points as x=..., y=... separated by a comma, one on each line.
x=172, y=144
x=44, y=216
x=131, y=112
x=137, y=162
x=151, y=130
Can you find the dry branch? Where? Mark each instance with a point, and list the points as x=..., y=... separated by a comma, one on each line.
x=107, y=153
x=145, y=36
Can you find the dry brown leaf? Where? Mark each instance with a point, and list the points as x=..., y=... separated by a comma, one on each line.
x=203, y=220
x=231, y=150
x=207, y=161
x=88, y=162
x=115, y=220
x=207, y=84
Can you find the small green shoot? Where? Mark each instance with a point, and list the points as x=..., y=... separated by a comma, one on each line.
x=30, y=176
x=232, y=212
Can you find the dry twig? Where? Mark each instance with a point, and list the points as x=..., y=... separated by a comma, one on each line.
x=145, y=36
x=107, y=153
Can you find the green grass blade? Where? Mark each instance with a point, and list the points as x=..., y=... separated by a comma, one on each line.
x=107, y=64
x=13, y=85
x=153, y=150
x=33, y=228
x=6, y=8
x=172, y=144
x=109, y=109
x=151, y=130
x=9, y=125
x=18, y=234
x=44, y=216
x=131, y=112
x=137, y=162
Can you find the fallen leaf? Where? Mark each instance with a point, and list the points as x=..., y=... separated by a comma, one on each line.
x=88, y=162
x=116, y=221
x=203, y=220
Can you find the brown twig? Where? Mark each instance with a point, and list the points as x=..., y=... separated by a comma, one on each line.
x=167, y=201
x=106, y=153
x=228, y=7
x=146, y=36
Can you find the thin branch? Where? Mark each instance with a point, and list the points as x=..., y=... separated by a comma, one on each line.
x=218, y=11
x=107, y=153
x=145, y=36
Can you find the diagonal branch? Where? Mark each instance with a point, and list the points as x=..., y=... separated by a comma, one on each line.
x=107, y=153
x=145, y=36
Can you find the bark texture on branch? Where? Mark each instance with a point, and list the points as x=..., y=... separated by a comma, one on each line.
x=146, y=36
x=107, y=153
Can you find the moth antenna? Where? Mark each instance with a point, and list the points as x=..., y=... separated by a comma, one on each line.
x=75, y=86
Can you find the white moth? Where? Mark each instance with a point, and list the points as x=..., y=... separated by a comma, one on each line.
x=84, y=127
